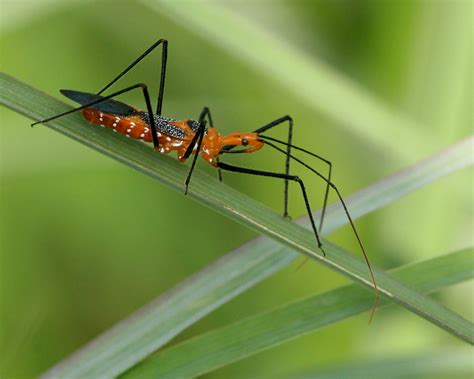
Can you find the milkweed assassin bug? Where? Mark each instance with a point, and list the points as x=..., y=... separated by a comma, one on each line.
x=193, y=137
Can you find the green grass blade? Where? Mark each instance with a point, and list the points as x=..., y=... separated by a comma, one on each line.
x=452, y=363
x=131, y=341
x=318, y=85
x=213, y=350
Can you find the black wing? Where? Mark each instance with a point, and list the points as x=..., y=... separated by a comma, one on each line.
x=107, y=106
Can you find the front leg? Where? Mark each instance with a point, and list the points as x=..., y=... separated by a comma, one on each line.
x=198, y=137
x=269, y=126
x=245, y=170
x=207, y=112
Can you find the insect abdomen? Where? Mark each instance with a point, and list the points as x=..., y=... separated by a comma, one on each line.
x=132, y=126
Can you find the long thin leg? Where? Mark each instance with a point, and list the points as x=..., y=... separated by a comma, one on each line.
x=147, y=101
x=348, y=217
x=198, y=137
x=270, y=125
x=164, y=57
x=326, y=194
x=250, y=171
x=211, y=124
x=219, y=171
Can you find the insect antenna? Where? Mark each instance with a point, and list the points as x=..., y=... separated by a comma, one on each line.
x=372, y=276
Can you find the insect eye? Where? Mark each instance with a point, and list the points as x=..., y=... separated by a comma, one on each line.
x=245, y=142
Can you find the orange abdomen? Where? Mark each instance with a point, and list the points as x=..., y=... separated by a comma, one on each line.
x=131, y=126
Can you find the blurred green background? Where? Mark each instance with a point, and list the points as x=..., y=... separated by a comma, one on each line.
x=81, y=244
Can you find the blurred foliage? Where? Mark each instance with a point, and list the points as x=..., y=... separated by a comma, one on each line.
x=72, y=266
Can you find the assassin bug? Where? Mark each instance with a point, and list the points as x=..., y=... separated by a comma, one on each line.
x=190, y=137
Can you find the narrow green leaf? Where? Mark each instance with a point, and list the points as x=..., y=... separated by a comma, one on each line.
x=449, y=363
x=150, y=328
x=210, y=351
x=318, y=85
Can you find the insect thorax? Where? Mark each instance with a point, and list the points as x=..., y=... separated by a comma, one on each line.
x=169, y=126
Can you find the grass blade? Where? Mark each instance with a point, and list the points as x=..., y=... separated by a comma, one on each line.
x=437, y=364
x=213, y=350
x=129, y=342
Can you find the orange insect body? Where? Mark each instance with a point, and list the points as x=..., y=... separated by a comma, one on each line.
x=132, y=126
x=136, y=127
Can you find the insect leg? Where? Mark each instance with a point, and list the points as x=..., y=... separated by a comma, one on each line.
x=288, y=150
x=164, y=56
x=147, y=101
x=285, y=176
x=198, y=137
x=359, y=241
x=207, y=112
x=288, y=155
x=219, y=171
x=270, y=125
